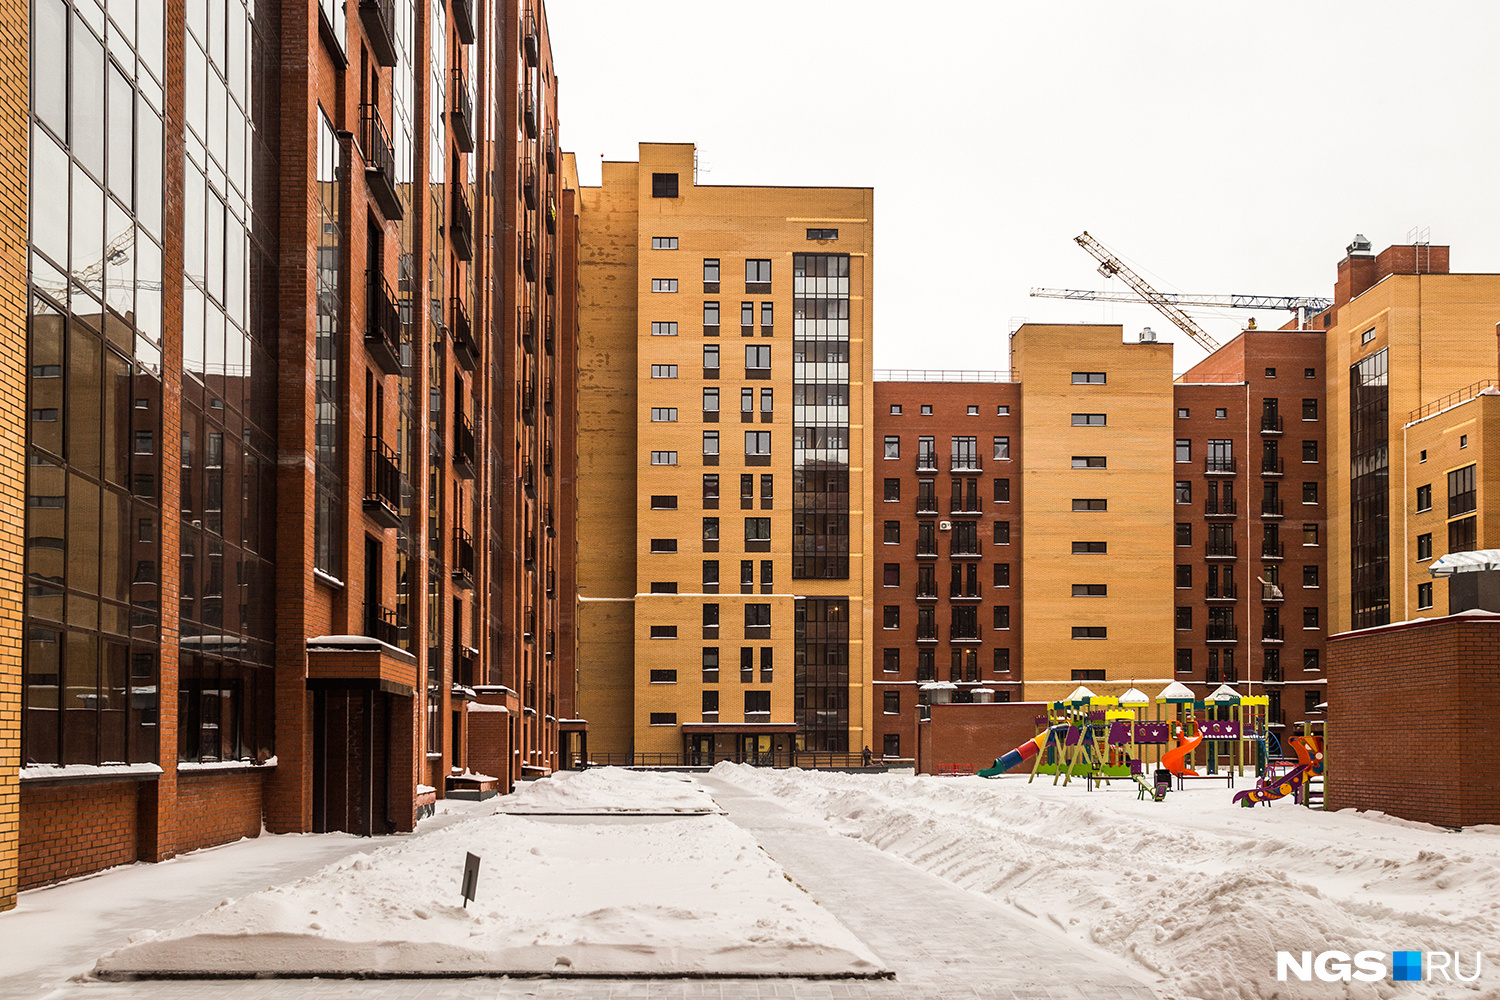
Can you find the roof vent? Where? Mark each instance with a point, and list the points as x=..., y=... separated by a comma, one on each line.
x=1360, y=245
x=1148, y=335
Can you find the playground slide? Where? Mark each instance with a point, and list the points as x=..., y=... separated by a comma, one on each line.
x=1268, y=790
x=1176, y=760
x=1025, y=751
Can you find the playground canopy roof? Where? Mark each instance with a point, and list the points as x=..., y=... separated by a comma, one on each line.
x=1080, y=693
x=1135, y=697
x=1481, y=561
x=1223, y=694
x=1176, y=694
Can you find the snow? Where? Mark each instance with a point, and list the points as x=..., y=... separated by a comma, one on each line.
x=610, y=790
x=468, y=775
x=565, y=895
x=53, y=771
x=222, y=765
x=475, y=706
x=1196, y=891
x=1176, y=691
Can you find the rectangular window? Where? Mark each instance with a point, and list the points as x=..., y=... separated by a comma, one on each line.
x=757, y=529
x=1088, y=420
x=891, y=660
x=1090, y=632
x=711, y=529
x=664, y=284
x=895, y=409
x=1461, y=535
x=1090, y=462
x=663, y=371
x=1182, y=413
x=1310, y=573
x=1183, y=450
x=1309, y=409
x=663, y=677
x=664, y=186
x=1002, y=574
x=711, y=576
x=710, y=664
x=892, y=701
x=663, y=545
x=747, y=314
x=1182, y=492
x=1090, y=590
x=1184, y=534
x=1002, y=532
x=1309, y=451
x=664, y=718
x=1461, y=495
x=1424, y=546
x=757, y=272
x=757, y=703
x=1367, y=336
x=891, y=618
x=1002, y=617
x=663, y=414
x=1002, y=661
x=711, y=400
x=758, y=443
x=926, y=454
x=1088, y=378
x=1095, y=503
x=711, y=358
x=758, y=358
x=892, y=449
x=892, y=534
x=1002, y=411
x=711, y=443
x=1310, y=659
x=1002, y=449
x=757, y=616
x=711, y=271
x=710, y=314
x=1309, y=617
x=822, y=234
x=1002, y=491
x=663, y=586
x=1424, y=498
x=892, y=490
x=664, y=458
x=711, y=705
x=1310, y=493
x=1184, y=579
x=663, y=502
x=1090, y=548
x=663, y=243
x=711, y=490
x=1309, y=534
x=663, y=329
x=1184, y=661
x=1184, y=619
x=1424, y=596
x=663, y=631
x=892, y=575
x=964, y=453
x=767, y=315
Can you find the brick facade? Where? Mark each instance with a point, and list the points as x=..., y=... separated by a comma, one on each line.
x=965, y=738
x=67, y=831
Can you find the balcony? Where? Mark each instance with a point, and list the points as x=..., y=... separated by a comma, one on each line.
x=1271, y=507
x=465, y=350
x=927, y=504
x=380, y=161
x=927, y=463
x=385, y=624
x=465, y=665
x=462, y=225
x=1271, y=466
x=1219, y=466
x=528, y=477
x=547, y=396
x=461, y=114
x=1225, y=591
x=1217, y=675
x=529, y=553
x=960, y=595
x=551, y=274
x=1272, y=550
x=1217, y=507
x=529, y=182
x=963, y=550
x=528, y=330
x=379, y=17
x=531, y=42
x=927, y=593
x=1271, y=674
x=463, y=560
x=464, y=452
x=551, y=215
x=384, y=330
x=1270, y=423
x=927, y=551
x=463, y=20
x=1272, y=594
x=1271, y=634
x=964, y=506
x=547, y=521
x=964, y=463
x=1222, y=550
x=547, y=467
x=1222, y=632
x=550, y=339
x=528, y=256
x=927, y=634
x=529, y=111
x=383, y=484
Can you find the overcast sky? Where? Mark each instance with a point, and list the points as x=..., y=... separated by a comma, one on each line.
x=1216, y=147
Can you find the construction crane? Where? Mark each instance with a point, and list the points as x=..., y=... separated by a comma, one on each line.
x=1274, y=303
x=1113, y=267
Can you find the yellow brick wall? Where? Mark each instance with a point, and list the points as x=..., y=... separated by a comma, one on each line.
x=1137, y=527
x=13, y=178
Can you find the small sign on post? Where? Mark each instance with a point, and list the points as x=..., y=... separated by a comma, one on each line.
x=471, y=878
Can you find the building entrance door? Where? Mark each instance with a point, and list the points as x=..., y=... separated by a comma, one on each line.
x=701, y=751
x=755, y=750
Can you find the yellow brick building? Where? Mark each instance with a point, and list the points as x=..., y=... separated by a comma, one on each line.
x=724, y=409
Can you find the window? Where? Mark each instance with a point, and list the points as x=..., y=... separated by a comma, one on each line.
x=892, y=533
x=926, y=538
x=1270, y=373
x=747, y=575
x=663, y=329
x=1183, y=492
x=892, y=446
x=758, y=616
x=1002, y=449
x=663, y=677
x=1309, y=451
x=1309, y=409
x=664, y=185
x=710, y=444
x=711, y=400
x=663, y=243
x=711, y=532
x=663, y=586
x=1088, y=378
x=664, y=458
x=747, y=401
x=747, y=665
x=1182, y=413
x=1422, y=456
x=663, y=414
x=1220, y=456
x=1002, y=410
x=1002, y=574
x=1002, y=532
x=757, y=529
x=965, y=453
x=711, y=359
x=1310, y=702
x=757, y=273
x=1183, y=450
x=1424, y=596
x=1463, y=440
x=925, y=409
x=891, y=661
x=711, y=271
x=1461, y=536
x=767, y=315
x=1309, y=617
x=1090, y=462
x=663, y=545
x=1310, y=573
x=926, y=454
x=890, y=745
x=1090, y=590
x=711, y=576
x=1184, y=534
x=1090, y=632
x=1184, y=578
x=974, y=411
x=1309, y=534
x=1367, y=336
x=1184, y=619
x=892, y=574
x=1310, y=493
x=1424, y=498
x=895, y=409
x=1184, y=661
x=1424, y=546
x=710, y=664
x=711, y=705
x=758, y=443
x=1002, y=617
x=822, y=234
x=1088, y=420
x=758, y=358
x=892, y=617
x=663, y=371
x=710, y=616
x=663, y=631
x=1461, y=495
x=664, y=718
x=1090, y=548
x=892, y=490
x=664, y=284
x=1002, y=491
x=747, y=314
x=892, y=701
x=1310, y=659
x=1221, y=413
x=711, y=490
x=1091, y=504
x=767, y=482
x=710, y=314
x=663, y=502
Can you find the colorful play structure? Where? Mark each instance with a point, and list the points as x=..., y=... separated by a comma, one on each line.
x=1101, y=738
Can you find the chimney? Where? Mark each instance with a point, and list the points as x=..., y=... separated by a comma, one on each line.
x=1356, y=271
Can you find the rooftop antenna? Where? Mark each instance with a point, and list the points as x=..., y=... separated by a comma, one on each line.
x=1420, y=238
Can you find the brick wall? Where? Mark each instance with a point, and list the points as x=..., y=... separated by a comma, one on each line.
x=972, y=736
x=215, y=808
x=489, y=741
x=78, y=829
x=1413, y=712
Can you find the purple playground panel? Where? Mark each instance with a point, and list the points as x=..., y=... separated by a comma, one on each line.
x=1220, y=729
x=1119, y=734
x=1072, y=738
x=1152, y=732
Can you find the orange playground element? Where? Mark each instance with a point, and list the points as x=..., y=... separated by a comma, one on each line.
x=1176, y=760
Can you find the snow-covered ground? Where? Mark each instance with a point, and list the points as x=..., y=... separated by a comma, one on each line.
x=571, y=894
x=1198, y=891
x=609, y=790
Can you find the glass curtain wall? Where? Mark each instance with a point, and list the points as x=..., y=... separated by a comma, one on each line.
x=822, y=674
x=820, y=416
x=1369, y=475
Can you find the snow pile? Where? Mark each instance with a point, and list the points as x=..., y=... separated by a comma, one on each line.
x=1200, y=892
x=609, y=790
x=619, y=895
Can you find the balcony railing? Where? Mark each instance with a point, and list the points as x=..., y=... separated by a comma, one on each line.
x=550, y=214
x=465, y=350
x=384, y=330
x=461, y=115
x=1219, y=466
x=551, y=274
x=1224, y=591
x=528, y=329
x=463, y=559
x=927, y=504
x=1272, y=466
x=464, y=453
x=379, y=17
x=964, y=463
x=531, y=43
x=1271, y=674
x=463, y=20
x=1271, y=507
x=380, y=161
x=1219, y=507
x=1272, y=594
x=465, y=664
x=1271, y=633
x=927, y=593
x=529, y=112
x=385, y=624
x=1222, y=550
x=1452, y=399
x=1222, y=632
x=1272, y=550
x=959, y=549
x=1270, y=423
x=382, y=484
x=1221, y=675
x=927, y=463
x=462, y=228
x=927, y=634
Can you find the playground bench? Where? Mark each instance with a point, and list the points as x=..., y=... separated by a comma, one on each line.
x=1227, y=777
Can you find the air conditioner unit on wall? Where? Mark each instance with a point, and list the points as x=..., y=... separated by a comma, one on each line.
x=945, y=525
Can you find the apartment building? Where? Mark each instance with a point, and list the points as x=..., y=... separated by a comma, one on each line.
x=272, y=236
x=724, y=366
x=947, y=557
